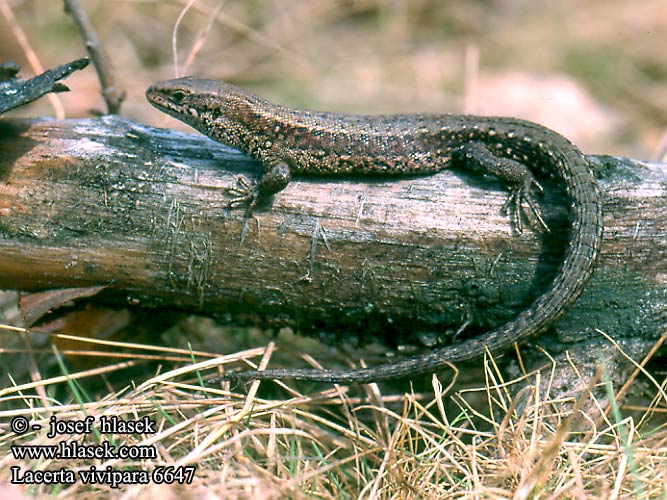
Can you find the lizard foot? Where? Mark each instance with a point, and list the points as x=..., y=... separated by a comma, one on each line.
x=477, y=156
x=249, y=192
x=521, y=197
x=245, y=192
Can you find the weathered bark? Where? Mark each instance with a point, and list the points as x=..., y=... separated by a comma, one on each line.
x=112, y=202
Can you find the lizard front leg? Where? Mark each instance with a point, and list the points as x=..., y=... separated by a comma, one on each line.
x=249, y=192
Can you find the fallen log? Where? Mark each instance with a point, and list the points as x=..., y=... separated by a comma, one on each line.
x=138, y=210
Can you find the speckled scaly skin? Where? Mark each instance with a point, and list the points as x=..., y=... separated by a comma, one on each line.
x=290, y=141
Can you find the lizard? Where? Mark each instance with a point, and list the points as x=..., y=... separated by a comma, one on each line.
x=288, y=141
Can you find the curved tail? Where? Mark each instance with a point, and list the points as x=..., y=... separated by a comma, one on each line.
x=563, y=161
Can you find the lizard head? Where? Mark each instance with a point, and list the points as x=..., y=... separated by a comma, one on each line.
x=219, y=110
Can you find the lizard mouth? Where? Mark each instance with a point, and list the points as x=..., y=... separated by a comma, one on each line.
x=164, y=104
x=157, y=100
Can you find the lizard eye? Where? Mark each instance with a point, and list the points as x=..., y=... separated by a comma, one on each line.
x=178, y=96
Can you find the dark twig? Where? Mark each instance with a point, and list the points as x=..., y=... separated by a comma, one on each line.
x=15, y=92
x=113, y=95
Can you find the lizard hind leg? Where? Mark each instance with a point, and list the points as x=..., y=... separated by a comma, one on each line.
x=476, y=156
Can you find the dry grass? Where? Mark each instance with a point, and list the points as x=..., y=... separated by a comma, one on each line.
x=342, y=442
x=302, y=441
